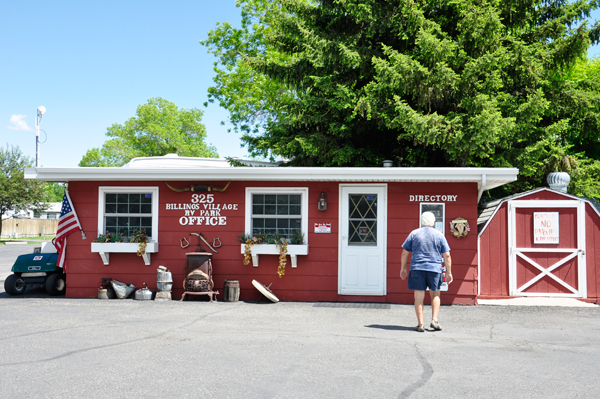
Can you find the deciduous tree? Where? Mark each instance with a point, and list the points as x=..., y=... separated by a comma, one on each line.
x=54, y=191
x=159, y=128
x=16, y=193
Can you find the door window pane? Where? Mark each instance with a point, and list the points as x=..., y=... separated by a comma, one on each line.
x=362, y=219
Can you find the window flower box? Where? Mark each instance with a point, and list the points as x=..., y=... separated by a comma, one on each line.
x=271, y=249
x=105, y=248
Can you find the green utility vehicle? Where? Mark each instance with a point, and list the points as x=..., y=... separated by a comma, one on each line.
x=37, y=269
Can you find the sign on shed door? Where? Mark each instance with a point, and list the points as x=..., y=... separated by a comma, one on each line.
x=362, y=254
x=547, y=248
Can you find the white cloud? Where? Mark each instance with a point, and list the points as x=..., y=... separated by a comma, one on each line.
x=17, y=122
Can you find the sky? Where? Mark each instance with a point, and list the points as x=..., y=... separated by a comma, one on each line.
x=90, y=64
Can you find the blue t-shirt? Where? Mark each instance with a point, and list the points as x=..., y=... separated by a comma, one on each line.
x=426, y=245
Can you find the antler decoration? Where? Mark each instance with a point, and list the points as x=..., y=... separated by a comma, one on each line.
x=198, y=188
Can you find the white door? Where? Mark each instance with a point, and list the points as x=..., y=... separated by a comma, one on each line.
x=547, y=266
x=363, y=231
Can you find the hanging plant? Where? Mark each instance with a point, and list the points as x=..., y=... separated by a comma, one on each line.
x=141, y=238
x=248, y=242
x=248, y=249
x=283, y=247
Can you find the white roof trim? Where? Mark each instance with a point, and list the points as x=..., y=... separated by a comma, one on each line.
x=494, y=176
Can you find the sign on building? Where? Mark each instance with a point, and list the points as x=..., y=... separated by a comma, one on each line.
x=545, y=228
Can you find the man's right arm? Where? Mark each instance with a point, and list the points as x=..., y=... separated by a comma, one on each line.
x=403, y=264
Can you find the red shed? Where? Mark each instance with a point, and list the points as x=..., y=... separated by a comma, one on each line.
x=539, y=243
x=349, y=224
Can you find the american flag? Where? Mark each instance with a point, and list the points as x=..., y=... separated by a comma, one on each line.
x=67, y=224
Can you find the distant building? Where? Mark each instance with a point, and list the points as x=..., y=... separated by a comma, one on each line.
x=53, y=212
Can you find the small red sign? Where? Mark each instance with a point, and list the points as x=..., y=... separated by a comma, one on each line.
x=322, y=227
x=38, y=257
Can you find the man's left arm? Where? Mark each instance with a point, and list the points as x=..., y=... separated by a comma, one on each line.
x=448, y=263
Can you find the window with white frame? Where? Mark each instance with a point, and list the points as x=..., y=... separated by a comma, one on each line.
x=281, y=211
x=125, y=210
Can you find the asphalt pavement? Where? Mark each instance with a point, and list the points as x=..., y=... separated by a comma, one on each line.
x=54, y=347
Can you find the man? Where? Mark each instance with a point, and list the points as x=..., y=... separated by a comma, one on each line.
x=426, y=245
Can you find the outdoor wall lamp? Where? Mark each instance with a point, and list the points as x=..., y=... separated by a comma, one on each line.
x=323, y=201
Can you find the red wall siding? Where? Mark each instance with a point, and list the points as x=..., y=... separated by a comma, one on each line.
x=592, y=251
x=403, y=217
x=493, y=248
x=315, y=278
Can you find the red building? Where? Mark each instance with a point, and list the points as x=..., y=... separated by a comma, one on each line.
x=539, y=243
x=350, y=250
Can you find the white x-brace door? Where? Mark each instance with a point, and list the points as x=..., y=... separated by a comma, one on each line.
x=576, y=252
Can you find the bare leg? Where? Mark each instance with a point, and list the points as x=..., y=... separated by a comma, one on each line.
x=435, y=304
x=419, y=298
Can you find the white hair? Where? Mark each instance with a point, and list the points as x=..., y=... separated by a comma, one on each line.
x=427, y=219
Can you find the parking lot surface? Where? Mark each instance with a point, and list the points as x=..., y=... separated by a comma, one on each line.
x=53, y=347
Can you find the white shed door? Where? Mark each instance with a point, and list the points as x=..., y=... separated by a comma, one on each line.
x=362, y=254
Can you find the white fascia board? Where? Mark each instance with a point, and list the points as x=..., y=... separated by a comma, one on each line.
x=494, y=176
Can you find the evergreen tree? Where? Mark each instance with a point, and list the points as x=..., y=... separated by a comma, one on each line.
x=423, y=83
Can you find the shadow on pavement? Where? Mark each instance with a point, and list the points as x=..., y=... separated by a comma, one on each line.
x=388, y=327
x=30, y=292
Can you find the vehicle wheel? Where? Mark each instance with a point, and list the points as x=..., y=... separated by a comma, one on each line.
x=56, y=284
x=14, y=285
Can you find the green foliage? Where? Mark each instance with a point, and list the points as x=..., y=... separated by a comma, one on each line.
x=159, y=128
x=123, y=236
x=16, y=193
x=296, y=238
x=54, y=192
x=468, y=83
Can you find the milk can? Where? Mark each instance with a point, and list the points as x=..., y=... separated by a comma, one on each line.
x=164, y=284
x=164, y=279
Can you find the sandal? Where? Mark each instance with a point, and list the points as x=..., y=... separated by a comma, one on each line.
x=435, y=325
x=420, y=328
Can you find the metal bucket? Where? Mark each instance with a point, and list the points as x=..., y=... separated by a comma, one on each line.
x=161, y=286
x=123, y=290
x=164, y=277
x=164, y=280
x=231, y=291
x=110, y=292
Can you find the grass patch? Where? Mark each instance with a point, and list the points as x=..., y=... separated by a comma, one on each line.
x=28, y=240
